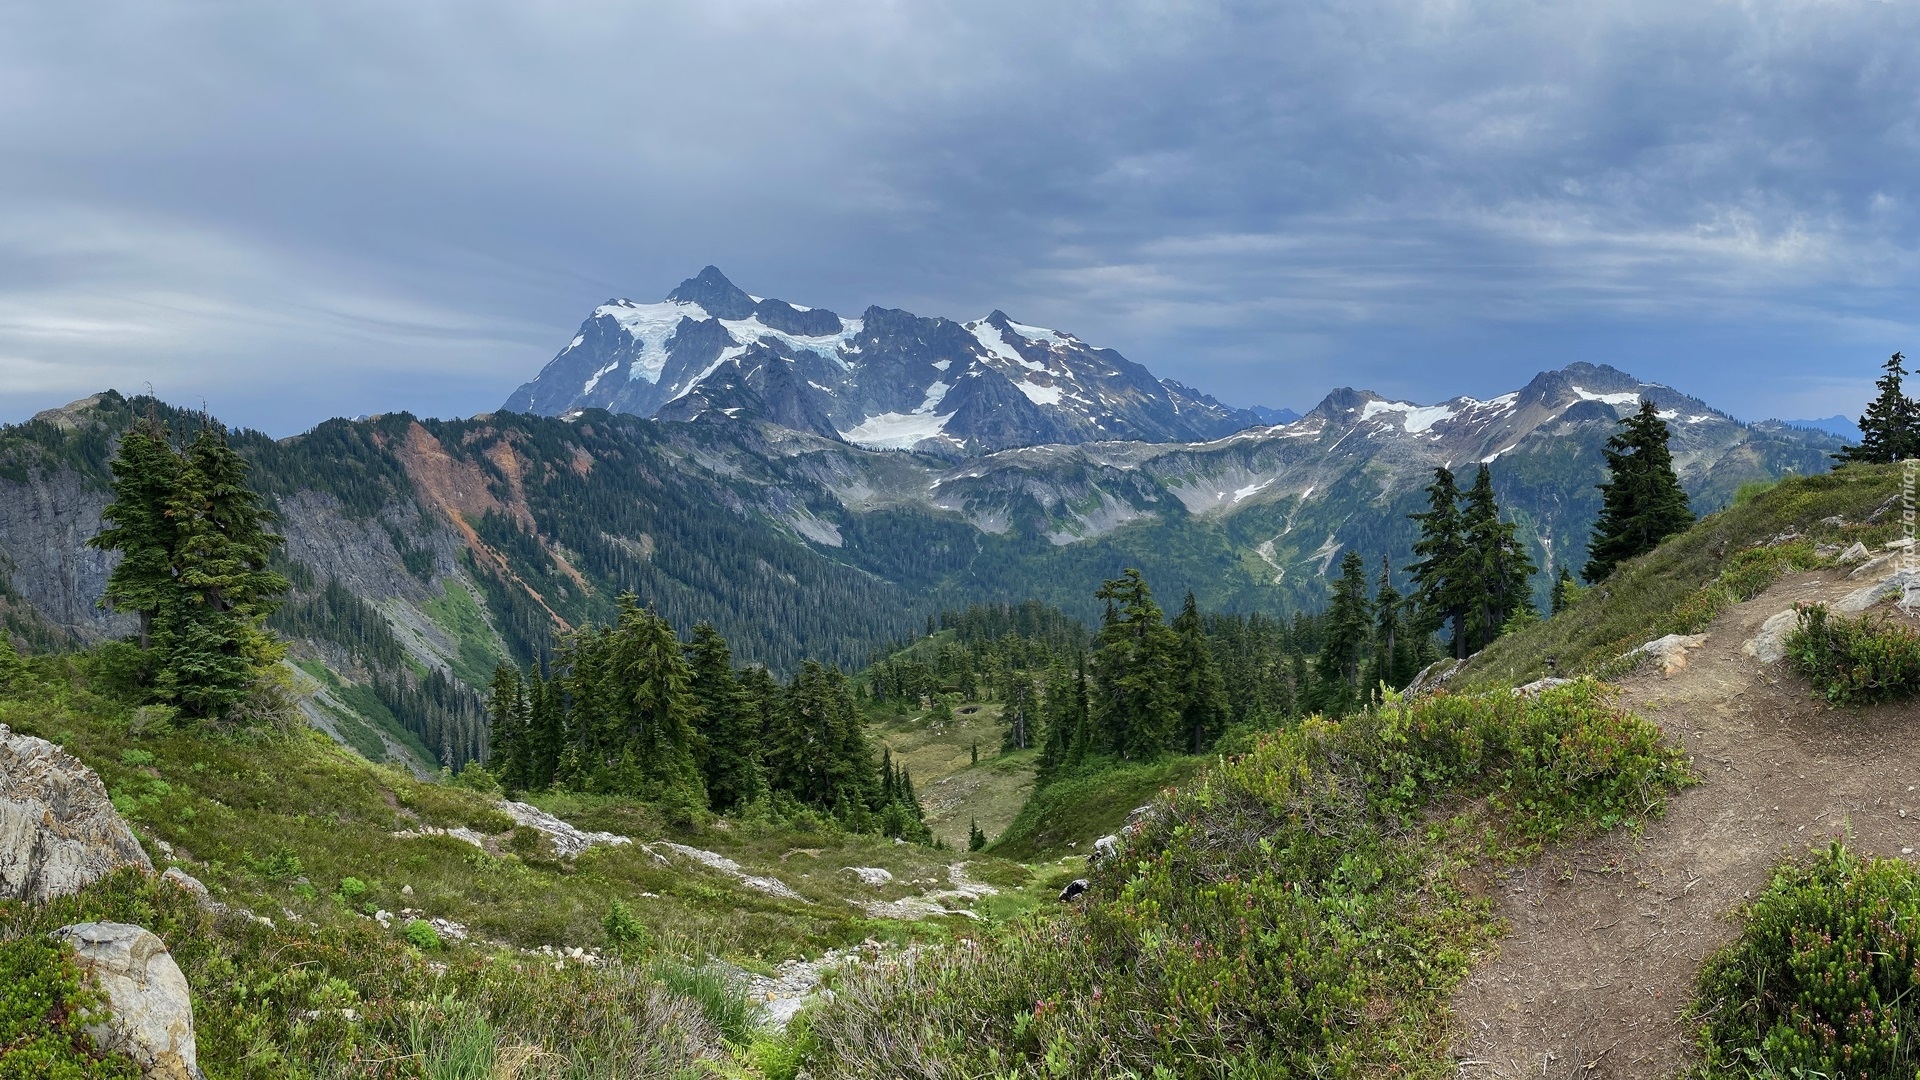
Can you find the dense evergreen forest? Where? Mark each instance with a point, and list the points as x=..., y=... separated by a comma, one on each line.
x=630, y=709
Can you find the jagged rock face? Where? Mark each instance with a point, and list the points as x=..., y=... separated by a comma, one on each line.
x=45, y=523
x=59, y=831
x=149, y=1004
x=887, y=380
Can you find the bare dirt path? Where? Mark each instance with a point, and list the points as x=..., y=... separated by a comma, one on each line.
x=1607, y=937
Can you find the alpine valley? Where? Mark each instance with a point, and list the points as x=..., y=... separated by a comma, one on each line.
x=816, y=487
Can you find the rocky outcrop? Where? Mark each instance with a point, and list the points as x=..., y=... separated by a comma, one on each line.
x=150, y=1007
x=45, y=523
x=716, y=861
x=567, y=841
x=59, y=831
x=1433, y=677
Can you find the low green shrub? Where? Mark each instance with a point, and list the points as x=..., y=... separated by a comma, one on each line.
x=1294, y=912
x=1825, y=978
x=1855, y=661
x=626, y=935
x=421, y=935
x=45, y=1005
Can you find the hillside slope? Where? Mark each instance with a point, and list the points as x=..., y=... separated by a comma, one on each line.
x=1607, y=938
x=425, y=552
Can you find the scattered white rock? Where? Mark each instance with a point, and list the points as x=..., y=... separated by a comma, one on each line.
x=1855, y=554
x=1074, y=890
x=795, y=984
x=460, y=832
x=1538, y=685
x=1670, y=652
x=150, y=1007
x=567, y=841
x=716, y=861
x=406, y=890
x=932, y=905
x=1106, y=846
x=384, y=918
x=59, y=831
x=875, y=876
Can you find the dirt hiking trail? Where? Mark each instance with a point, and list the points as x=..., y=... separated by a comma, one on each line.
x=1607, y=937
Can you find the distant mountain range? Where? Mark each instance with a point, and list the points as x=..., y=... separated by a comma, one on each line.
x=1832, y=425
x=888, y=380
x=815, y=487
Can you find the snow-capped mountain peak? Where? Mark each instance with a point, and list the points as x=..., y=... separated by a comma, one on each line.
x=889, y=379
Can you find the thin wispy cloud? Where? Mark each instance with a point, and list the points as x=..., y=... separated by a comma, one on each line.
x=295, y=211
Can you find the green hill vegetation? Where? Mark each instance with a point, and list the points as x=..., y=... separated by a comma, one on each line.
x=1679, y=587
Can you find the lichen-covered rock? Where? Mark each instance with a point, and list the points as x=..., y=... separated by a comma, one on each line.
x=59, y=831
x=150, y=1008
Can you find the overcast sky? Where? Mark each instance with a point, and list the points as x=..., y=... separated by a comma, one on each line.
x=293, y=211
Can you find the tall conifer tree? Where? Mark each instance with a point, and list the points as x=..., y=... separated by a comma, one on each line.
x=1642, y=502
x=1137, y=701
x=1343, y=649
x=1204, y=709
x=1494, y=569
x=1890, y=428
x=1440, y=594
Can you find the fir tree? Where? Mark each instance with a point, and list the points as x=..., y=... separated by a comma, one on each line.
x=146, y=472
x=1565, y=590
x=1204, y=709
x=1441, y=595
x=1642, y=502
x=1396, y=656
x=1494, y=563
x=727, y=730
x=195, y=550
x=1137, y=705
x=510, y=738
x=976, y=840
x=1349, y=628
x=1890, y=428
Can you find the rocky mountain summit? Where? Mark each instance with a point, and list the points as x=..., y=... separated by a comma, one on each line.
x=888, y=379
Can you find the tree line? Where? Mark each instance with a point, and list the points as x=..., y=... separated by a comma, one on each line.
x=631, y=709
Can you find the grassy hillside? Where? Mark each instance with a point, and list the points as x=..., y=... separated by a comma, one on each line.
x=297, y=830
x=1726, y=557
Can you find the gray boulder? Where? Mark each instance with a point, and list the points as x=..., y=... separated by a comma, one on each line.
x=149, y=1005
x=59, y=831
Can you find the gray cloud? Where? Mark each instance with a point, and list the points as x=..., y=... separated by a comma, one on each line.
x=295, y=211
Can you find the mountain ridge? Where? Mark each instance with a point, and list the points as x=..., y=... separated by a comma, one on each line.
x=888, y=379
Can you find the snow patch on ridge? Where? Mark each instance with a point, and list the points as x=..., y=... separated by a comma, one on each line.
x=896, y=431
x=1631, y=397
x=990, y=339
x=649, y=326
x=1417, y=418
x=1039, y=395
